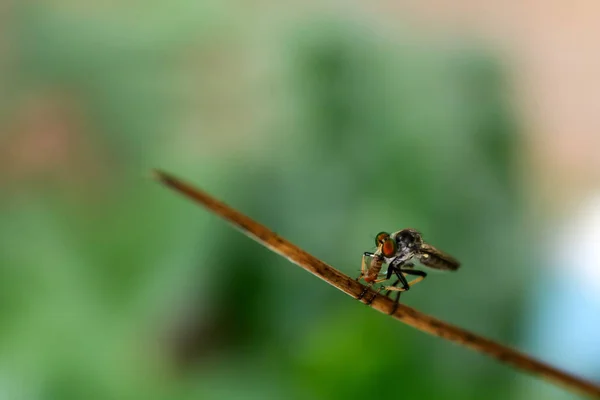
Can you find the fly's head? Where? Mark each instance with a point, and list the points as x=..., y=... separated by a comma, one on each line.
x=386, y=245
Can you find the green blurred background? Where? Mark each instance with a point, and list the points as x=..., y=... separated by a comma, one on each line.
x=327, y=124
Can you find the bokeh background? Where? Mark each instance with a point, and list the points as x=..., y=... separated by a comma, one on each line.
x=476, y=123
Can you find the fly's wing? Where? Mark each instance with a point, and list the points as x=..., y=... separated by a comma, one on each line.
x=437, y=259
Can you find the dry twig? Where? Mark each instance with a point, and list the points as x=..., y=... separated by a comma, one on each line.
x=383, y=304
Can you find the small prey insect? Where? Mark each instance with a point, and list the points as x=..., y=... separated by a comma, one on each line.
x=397, y=250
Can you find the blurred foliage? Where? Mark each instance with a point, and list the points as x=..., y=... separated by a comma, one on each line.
x=113, y=287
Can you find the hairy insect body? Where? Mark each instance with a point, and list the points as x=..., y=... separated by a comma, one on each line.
x=411, y=245
x=397, y=250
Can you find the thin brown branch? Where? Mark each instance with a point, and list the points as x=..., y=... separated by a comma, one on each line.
x=383, y=304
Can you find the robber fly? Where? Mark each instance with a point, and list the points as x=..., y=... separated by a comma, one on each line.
x=397, y=250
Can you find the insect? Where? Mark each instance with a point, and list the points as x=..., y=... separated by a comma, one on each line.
x=397, y=250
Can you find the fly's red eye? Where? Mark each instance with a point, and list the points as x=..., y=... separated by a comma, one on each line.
x=388, y=249
x=381, y=237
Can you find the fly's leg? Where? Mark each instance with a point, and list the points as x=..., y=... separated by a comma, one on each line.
x=393, y=268
x=397, y=301
x=369, y=286
x=394, y=285
x=388, y=275
x=405, y=284
x=378, y=290
x=421, y=275
x=402, y=278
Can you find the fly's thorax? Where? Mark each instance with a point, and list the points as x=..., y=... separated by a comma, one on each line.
x=410, y=238
x=408, y=242
x=401, y=257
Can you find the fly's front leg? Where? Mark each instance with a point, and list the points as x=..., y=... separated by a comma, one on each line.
x=400, y=273
x=404, y=282
x=396, y=269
